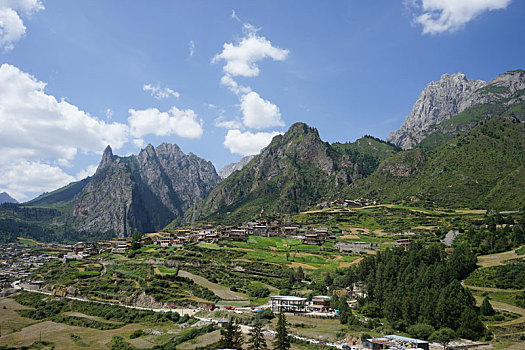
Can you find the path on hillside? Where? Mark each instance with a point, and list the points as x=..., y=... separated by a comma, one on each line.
x=491, y=289
x=221, y=291
x=498, y=259
x=499, y=305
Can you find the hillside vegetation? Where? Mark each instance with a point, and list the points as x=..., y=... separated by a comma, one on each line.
x=480, y=169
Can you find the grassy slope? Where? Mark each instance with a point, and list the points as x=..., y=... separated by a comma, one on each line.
x=482, y=168
x=60, y=196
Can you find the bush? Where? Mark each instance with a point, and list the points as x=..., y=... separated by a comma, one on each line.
x=266, y=314
x=136, y=334
x=421, y=330
x=258, y=291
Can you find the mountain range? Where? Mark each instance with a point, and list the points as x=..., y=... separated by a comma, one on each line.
x=462, y=145
x=141, y=192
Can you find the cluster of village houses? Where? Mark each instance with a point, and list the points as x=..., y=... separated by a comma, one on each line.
x=17, y=262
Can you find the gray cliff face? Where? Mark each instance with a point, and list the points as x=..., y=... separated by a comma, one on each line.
x=232, y=167
x=439, y=101
x=451, y=95
x=143, y=192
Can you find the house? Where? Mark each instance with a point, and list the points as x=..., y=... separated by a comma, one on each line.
x=285, y=303
x=289, y=230
x=320, y=303
x=235, y=233
x=317, y=236
x=404, y=242
x=260, y=230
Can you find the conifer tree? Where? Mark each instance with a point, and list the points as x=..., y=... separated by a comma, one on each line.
x=486, y=308
x=257, y=341
x=282, y=340
x=231, y=336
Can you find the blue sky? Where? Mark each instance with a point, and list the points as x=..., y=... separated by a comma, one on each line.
x=220, y=78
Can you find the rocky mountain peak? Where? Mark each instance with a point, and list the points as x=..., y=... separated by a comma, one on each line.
x=144, y=191
x=6, y=198
x=232, y=167
x=107, y=158
x=439, y=101
x=513, y=80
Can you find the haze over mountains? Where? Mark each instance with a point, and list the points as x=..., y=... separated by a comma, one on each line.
x=6, y=198
x=463, y=142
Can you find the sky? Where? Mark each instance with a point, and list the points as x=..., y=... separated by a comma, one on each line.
x=221, y=78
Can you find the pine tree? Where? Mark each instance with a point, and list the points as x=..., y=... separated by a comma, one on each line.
x=486, y=308
x=344, y=311
x=231, y=336
x=471, y=326
x=257, y=341
x=282, y=340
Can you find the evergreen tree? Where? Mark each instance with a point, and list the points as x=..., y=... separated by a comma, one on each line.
x=344, y=311
x=470, y=326
x=257, y=341
x=135, y=240
x=231, y=336
x=282, y=340
x=486, y=308
x=299, y=275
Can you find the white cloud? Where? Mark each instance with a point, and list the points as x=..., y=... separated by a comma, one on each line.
x=183, y=123
x=88, y=171
x=160, y=93
x=36, y=126
x=241, y=58
x=235, y=17
x=12, y=27
x=221, y=122
x=191, y=48
x=109, y=114
x=24, y=177
x=438, y=16
x=258, y=113
x=247, y=143
x=234, y=87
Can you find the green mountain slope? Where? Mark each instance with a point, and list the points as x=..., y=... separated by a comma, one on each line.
x=296, y=170
x=481, y=169
x=61, y=196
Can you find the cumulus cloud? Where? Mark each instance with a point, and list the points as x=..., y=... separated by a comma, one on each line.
x=41, y=134
x=24, y=177
x=88, y=171
x=247, y=143
x=438, y=16
x=183, y=123
x=258, y=113
x=241, y=58
x=221, y=122
x=160, y=93
x=37, y=126
x=234, y=87
x=12, y=27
